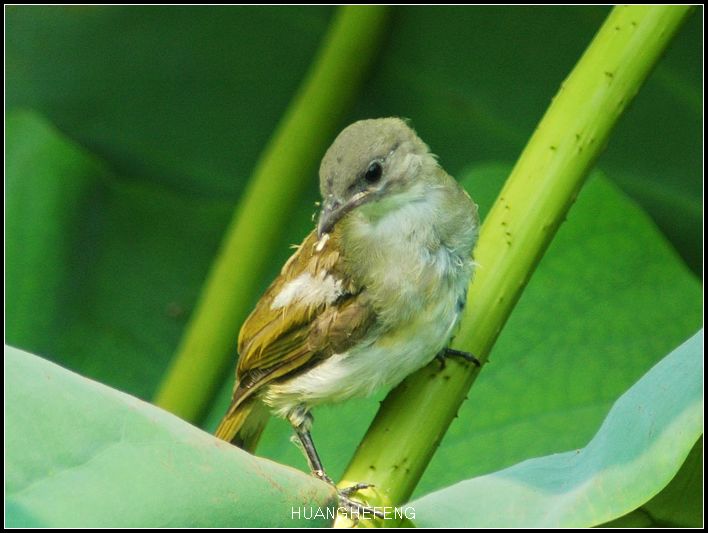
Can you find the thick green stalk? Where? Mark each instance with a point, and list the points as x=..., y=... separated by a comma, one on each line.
x=533, y=203
x=285, y=167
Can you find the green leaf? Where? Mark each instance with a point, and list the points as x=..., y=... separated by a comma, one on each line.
x=680, y=504
x=640, y=446
x=50, y=185
x=79, y=454
x=177, y=96
x=101, y=271
x=681, y=501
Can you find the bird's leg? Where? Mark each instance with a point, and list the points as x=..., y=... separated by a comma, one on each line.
x=302, y=430
x=451, y=352
x=313, y=458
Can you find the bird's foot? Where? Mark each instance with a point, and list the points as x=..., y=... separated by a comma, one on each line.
x=451, y=352
x=356, y=510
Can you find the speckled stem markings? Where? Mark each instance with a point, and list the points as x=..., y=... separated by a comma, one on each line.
x=533, y=203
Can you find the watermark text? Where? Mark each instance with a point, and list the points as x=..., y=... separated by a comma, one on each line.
x=365, y=513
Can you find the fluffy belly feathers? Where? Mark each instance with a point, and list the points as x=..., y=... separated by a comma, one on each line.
x=380, y=363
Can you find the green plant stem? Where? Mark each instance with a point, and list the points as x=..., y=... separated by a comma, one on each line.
x=530, y=208
x=208, y=346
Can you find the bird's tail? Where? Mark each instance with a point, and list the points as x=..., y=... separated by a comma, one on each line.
x=243, y=424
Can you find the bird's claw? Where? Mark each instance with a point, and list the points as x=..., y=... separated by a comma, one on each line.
x=357, y=509
x=348, y=491
x=451, y=352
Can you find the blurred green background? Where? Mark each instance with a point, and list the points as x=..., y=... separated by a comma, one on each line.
x=131, y=133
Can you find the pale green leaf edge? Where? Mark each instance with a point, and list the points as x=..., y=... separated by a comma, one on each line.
x=639, y=448
x=81, y=454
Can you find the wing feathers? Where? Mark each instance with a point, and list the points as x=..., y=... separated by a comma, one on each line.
x=312, y=310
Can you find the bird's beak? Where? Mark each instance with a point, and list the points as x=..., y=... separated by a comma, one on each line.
x=330, y=214
x=333, y=211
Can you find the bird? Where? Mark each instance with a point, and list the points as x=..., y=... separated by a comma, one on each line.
x=373, y=293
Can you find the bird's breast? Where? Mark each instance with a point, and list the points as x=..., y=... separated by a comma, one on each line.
x=405, y=260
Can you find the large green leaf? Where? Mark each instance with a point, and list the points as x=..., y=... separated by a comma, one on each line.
x=680, y=504
x=101, y=271
x=80, y=454
x=51, y=188
x=638, y=449
x=173, y=95
x=608, y=300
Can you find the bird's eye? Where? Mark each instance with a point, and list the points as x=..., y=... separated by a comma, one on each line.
x=373, y=173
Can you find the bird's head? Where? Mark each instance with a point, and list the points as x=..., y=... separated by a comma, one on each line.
x=369, y=161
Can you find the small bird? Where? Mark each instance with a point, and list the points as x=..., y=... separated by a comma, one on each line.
x=372, y=294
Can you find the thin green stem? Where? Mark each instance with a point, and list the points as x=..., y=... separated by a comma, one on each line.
x=530, y=208
x=207, y=348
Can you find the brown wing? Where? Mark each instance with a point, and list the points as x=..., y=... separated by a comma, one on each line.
x=275, y=341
